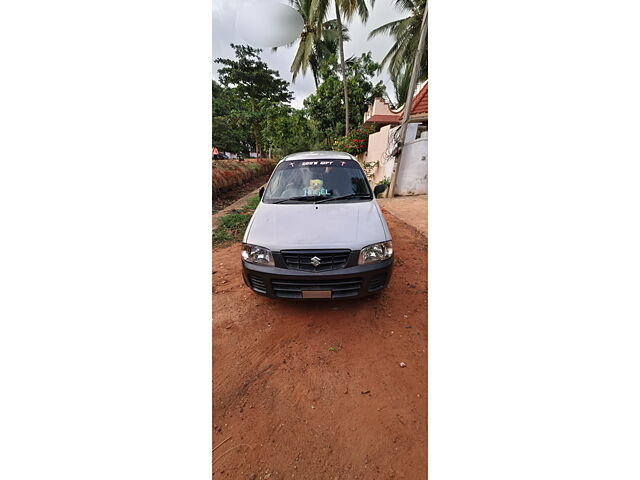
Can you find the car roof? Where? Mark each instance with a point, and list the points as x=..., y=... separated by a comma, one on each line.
x=321, y=154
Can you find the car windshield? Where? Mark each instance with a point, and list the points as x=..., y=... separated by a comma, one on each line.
x=312, y=180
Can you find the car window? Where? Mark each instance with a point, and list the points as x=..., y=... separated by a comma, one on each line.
x=313, y=178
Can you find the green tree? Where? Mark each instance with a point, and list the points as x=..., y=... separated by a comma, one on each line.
x=346, y=9
x=288, y=130
x=401, y=84
x=227, y=133
x=317, y=40
x=406, y=35
x=326, y=107
x=255, y=90
x=327, y=46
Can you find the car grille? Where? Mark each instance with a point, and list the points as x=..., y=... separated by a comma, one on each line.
x=258, y=284
x=349, y=287
x=329, y=259
x=377, y=282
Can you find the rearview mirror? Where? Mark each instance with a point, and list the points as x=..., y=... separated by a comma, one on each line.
x=379, y=189
x=261, y=192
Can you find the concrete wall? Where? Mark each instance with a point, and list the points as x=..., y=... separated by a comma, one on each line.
x=377, y=151
x=412, y=176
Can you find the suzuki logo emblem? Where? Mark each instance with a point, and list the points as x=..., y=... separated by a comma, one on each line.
x=315, y=261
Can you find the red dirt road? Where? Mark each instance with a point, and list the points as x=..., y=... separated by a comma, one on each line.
x=315, y=390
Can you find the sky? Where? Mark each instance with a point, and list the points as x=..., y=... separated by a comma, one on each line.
x=226, y=14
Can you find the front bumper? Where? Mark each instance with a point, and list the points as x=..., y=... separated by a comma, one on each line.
x=351, y=282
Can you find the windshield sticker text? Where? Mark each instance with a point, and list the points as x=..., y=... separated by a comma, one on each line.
x=320, y=163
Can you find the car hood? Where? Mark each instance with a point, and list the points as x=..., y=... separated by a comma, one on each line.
x=285, y=226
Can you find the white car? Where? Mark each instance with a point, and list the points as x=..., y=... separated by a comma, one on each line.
x=318, y=231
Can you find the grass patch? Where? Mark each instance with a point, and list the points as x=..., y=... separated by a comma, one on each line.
x=252, y=203
x=231, y=227
x=234, y=221
x=220, y=237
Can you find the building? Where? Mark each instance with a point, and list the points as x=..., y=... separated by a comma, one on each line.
x=379, y=159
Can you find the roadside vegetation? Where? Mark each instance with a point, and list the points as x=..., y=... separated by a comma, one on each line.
x=251, y=103
x=230, y=174
x=252, y=112
x=231, y=226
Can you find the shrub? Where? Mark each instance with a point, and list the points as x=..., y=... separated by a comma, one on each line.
x=385, y=181
x=356, y=142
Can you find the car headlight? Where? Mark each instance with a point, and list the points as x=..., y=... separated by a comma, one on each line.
x=376, y=252
x=256, y=254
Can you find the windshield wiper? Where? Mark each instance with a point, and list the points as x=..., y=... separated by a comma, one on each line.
x=301, y=198
x=344, y=197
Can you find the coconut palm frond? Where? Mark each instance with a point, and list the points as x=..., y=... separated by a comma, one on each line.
x=320, y=9
x=386, y=28
x=403, y=55
x=349, y=8
x=401, y=85
x=406, y=34
x=387, y=58
x=363, y=11
x=410, y=5
x=330, y=30
x=301, y=60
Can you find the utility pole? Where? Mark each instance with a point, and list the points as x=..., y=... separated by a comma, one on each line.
x=407, y=105
x=343, y=71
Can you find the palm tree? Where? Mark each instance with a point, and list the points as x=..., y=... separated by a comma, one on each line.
x=326, y=46
x=317, y=41
x=309, y=36
x=401, y=84
x=406, y=33
x=346, y=9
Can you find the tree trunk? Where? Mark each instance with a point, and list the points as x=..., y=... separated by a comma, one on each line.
x=344, y=71
x=255, y=131
x=257, y=140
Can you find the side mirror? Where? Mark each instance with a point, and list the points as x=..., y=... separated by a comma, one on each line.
x=261, y=192
x=379, y=189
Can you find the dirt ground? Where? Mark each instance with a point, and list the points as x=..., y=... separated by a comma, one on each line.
x=410, y=209
x=316, y=390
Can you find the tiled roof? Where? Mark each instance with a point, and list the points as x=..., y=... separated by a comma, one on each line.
x=419, y=105
x=421, y=101
x=386, y=119
x=419, y=108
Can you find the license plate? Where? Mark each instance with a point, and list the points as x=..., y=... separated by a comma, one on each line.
x=316, y=294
